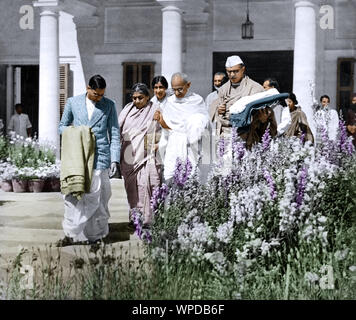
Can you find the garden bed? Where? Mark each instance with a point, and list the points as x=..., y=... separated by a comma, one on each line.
x=276, y=222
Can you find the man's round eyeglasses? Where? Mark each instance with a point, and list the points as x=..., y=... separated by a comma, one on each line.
x=180, y=90
x=233, y=71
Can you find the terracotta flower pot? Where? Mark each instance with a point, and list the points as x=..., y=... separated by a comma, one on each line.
x=19, y=185
x=36, y=185
x=47, y=185
x=55, y=185
x=6, y=185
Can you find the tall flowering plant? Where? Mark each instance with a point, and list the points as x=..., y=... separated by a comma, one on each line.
x=182, y=171
x=143, y=233
x=271, y=199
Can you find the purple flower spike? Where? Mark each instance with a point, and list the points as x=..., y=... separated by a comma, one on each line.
x=143, y=234
x=271, y=184
x=136, y=218
x=266, y=140
x=221, y=147
x=238, y=148
x=302, y=138
x=301, y=187
x=343, y=137
x=350, y=147
x=159, y=195
x=182, y=172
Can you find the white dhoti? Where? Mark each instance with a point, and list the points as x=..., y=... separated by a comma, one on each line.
x=87, y=219
x=187, y=118
x=178, y=147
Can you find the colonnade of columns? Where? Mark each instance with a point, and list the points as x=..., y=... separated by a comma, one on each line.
x=172, y=26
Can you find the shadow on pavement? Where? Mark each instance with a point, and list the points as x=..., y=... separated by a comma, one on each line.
x=118, y=232
x=4, y=202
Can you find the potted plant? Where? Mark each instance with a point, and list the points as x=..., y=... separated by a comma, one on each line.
x=36, y=182
x=6, y=174
x=20, y=179
x=55, y=174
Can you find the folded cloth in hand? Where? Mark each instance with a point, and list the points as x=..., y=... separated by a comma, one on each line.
x=77, y=160
x=243, y=119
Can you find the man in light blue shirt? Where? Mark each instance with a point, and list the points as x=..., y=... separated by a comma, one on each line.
x=87, y=219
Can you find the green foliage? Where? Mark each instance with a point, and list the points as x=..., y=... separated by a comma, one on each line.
x=3, y=148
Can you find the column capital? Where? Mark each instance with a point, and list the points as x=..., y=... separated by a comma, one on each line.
x=48, y=7
x=304, y=3
x=47, y=4
x=166, y=3
x=171, y=5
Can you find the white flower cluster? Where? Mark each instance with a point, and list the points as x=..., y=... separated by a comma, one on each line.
x=247, y=205
x=195, y=236
x=7, y=171
x=300, y=173
x=225, y=231
x=287, y=206
x=218, y=260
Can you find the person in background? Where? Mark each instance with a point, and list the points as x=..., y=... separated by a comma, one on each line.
x=326, y=118
x=298, y=125
x=219, y=80
x=161, y=92
x=351, y=119
x=272, y=83
x=159, y=85
x=20, y=123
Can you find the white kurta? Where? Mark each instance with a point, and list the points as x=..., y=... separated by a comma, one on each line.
x=187, y=117
x=87, y=219
x=90, y=107
x=20, y=123
x=164, y=133
x=210, y=98
x=328, y=119
x=286, y=121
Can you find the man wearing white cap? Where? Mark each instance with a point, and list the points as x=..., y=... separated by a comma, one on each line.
x=240, y=85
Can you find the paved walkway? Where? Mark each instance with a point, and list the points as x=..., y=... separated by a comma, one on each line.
x=33, y=220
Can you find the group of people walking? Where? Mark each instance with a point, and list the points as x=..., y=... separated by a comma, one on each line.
x=145, y=140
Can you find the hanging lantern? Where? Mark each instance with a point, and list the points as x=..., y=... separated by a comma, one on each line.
x=247, y=27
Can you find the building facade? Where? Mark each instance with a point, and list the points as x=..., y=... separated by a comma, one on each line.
x=50, y=48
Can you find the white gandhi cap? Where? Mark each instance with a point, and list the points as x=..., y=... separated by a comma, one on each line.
x=233, y=61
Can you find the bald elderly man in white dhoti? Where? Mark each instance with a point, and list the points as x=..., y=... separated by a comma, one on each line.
x=183, y=119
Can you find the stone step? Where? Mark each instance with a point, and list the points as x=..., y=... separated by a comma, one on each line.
x=45, y=222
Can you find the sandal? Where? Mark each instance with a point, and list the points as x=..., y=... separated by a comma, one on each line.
x=66, y=241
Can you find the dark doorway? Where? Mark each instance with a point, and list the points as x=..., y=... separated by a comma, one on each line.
x=3, y=94
x=30, y=94
x=261, y=65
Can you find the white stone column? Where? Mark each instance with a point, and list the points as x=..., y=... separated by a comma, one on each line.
x=17, y=83
x=171, y=38
x=49, y=72
x=304, y=56
x=9, y=94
